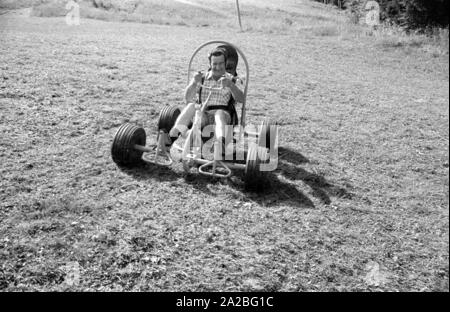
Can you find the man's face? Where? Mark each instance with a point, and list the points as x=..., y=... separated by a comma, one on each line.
x=218, y=65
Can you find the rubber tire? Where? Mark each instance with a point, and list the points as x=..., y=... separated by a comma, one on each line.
x=122, y=149
x=167, y=118
x=265, y=132
x=254, y=178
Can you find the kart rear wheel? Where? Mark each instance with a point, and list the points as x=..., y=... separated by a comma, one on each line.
x=168, y=117
x=122, y=149
x=254, y=178
x=267, y=134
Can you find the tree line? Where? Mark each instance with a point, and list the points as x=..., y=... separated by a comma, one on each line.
x=410, y=14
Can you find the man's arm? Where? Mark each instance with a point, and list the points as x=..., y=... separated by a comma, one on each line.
x=190, y=91
x=237, y=93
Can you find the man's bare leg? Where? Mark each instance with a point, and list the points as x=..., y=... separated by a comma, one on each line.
x=222, y=120
x=183, y=120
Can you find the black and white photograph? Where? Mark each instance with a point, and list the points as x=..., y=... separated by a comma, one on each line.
x=237, y=149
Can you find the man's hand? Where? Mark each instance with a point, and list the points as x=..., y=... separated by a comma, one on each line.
x=198, y=77
x=237, y=94
x=226, y=82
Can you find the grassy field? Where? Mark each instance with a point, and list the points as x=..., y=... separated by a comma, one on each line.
x=283, y=17
x=359, y=201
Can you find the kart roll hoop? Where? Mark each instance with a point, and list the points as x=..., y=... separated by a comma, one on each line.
x=247, y=72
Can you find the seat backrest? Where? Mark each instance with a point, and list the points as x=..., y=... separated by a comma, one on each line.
x=232, y=58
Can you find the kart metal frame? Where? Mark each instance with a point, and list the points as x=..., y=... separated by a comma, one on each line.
x=129, y=142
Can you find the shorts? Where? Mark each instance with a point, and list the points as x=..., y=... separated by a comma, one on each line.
x=210, y=116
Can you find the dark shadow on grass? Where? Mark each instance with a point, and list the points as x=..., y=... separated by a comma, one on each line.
x=149, y=171
x=290, y=156
x=288, y=165
x=201, y=182
x=322, y=189
x=276, y=192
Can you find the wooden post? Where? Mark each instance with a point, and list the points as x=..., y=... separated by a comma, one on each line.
x=239, y=14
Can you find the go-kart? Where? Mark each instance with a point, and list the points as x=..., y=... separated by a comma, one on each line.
x=259, y=155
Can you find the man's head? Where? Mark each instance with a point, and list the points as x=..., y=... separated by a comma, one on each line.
x=217, y=61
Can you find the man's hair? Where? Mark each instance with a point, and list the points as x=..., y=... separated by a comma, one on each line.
x=217, y=52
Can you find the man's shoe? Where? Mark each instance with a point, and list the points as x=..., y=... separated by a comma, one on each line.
x=227, y=151
x=174, y=133
x=230, y=151
x=166, y=141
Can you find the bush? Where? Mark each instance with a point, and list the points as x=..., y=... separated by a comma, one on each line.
x=426, y=13
x=117, y=5
x=15, y=4
x=411, y=14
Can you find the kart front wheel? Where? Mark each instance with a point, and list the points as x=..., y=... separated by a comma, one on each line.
x=267, y=134
x=255, y=178
x=122, y=150
x=168, y=117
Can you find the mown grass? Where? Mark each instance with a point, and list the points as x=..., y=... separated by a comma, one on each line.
x=359, y=201
x=294, y=17
x=142, y=11
x=435, y=42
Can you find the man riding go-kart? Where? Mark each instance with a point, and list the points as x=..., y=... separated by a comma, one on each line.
x=221, y=88
x=217, y=91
